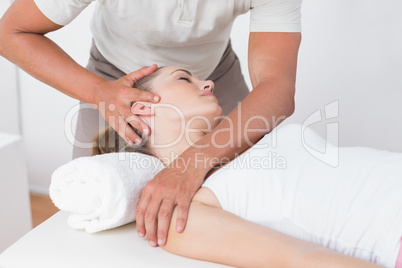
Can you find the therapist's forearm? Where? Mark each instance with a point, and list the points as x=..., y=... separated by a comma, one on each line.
x=23, y=42
x=43, y=59
x=261, y=111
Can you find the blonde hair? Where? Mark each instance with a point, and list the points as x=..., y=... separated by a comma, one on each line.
x=108, y=141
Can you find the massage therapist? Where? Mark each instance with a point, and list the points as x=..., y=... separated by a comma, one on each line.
x=130, y=34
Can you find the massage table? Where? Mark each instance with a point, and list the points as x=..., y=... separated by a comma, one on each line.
x=53, y=244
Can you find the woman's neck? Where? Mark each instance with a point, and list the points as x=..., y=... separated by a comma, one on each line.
x=171, y=138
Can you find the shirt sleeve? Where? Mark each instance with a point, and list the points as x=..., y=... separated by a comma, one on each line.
x=275, y=16
x=62, y=12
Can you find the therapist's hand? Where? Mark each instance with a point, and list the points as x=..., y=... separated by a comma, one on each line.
x=114, y=99
x=173, y=186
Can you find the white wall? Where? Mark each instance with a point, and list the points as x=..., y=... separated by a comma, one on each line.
x=350, y=53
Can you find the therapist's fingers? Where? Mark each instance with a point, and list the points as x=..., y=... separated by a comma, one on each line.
x=124, y=129
x=142, y=72
x=140, y=95
x=151, y=221
x=137, y=123
x=182, y=212
x=120, y=125
x=164, y=218
x=140, y=212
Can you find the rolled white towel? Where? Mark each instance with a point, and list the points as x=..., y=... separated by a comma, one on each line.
x=102, y=191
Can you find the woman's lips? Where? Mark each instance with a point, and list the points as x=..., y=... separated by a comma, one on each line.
x=208, y=94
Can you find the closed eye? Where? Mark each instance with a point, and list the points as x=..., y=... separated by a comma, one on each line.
x=184, y=78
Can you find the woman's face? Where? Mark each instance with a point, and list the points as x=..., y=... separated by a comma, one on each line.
x=185, y=95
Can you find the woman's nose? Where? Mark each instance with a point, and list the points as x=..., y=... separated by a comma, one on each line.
x=208, y=85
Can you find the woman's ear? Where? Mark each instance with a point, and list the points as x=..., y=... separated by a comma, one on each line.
x=142, y=108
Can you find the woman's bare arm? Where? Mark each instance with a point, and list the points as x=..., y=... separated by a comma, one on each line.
x=215, y=235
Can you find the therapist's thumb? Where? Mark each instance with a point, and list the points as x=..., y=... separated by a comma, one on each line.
x=144, y=71
x=137, y=75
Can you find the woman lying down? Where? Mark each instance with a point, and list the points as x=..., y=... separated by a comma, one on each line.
x=275, y=205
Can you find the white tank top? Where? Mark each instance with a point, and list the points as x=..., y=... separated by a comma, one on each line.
x=354, y=208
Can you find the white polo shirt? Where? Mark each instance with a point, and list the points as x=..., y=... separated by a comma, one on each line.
x=190, y=33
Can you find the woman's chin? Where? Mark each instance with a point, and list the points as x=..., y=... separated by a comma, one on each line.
x=213, y=110
x=210, y=114
x=216, y=116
